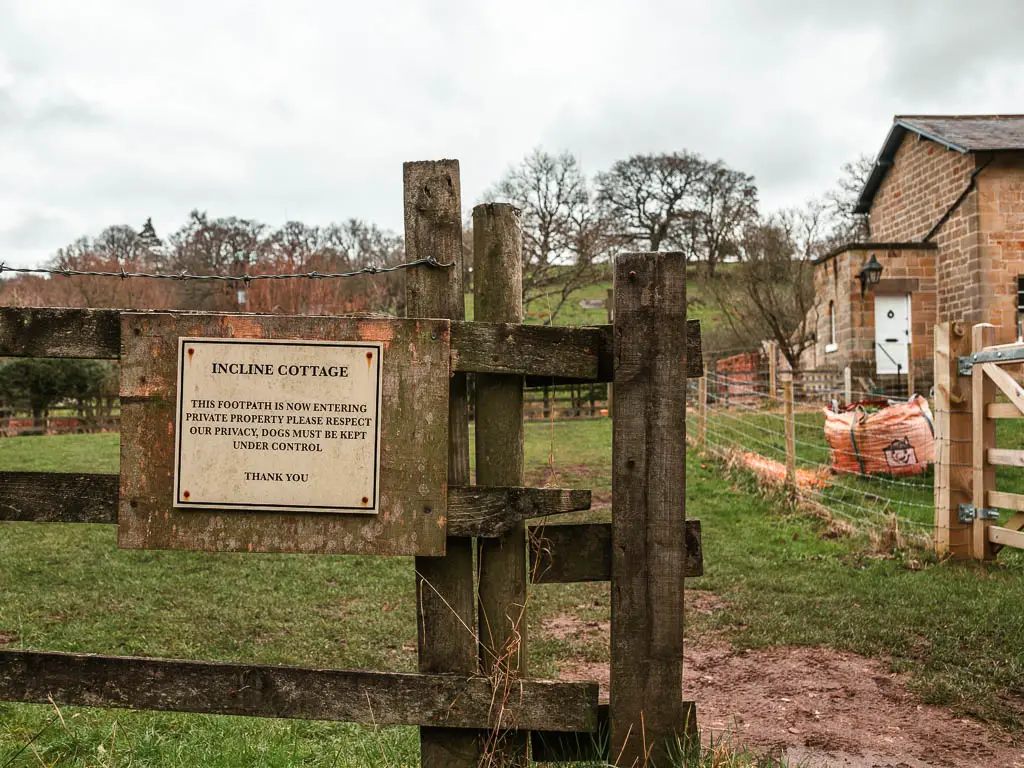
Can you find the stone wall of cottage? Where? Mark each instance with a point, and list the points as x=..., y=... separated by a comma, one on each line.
x=924, y=183
x=905, y=270
x=969, y=275
x=925, y=180
x=1000, y=206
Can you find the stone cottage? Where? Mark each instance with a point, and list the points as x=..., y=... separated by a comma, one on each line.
x=945, y=206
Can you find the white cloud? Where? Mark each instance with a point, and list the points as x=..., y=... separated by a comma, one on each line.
x=112, y=111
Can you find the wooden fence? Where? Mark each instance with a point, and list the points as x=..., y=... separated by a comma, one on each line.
x=472, y=695
x=974, y=391
x=14, y=426
x=567, y=401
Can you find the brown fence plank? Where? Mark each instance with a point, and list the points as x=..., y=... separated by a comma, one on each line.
x=572, y=552
x=54, y=497
x=575, y=552
x=57, y=332
x=535, y=350
x=648, y=506
x=559, y=553
x=254, y=690
x=542, y=353
x=600, y=336
x=491, y=512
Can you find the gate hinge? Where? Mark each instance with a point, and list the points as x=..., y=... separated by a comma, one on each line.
x=965, y=364
x=966, y=513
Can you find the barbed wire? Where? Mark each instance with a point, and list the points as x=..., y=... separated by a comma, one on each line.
x=429, y=261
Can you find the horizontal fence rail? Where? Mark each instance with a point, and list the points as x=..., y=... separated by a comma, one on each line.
x=256, y=690
x=574, y=552
x=559, y=552
x=544, y=354
x=53, y=497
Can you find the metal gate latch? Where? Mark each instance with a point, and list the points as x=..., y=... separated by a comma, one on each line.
x=966, y=513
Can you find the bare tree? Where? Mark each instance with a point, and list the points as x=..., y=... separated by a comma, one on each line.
x=349, y=246
x=227, y=246
x=770, y=293
x=726, y=204
x=847, y=226
x=116, y=248
x=562, y=236
x=809, y=228
x=648, y=200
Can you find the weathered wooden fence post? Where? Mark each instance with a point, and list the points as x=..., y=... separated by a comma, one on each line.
x=773, y=372
x=847, y=386
x=953, y=468
x=790, y=420
x=444, y=585
x=984, y=438
x=648, y=506
x=498, y=298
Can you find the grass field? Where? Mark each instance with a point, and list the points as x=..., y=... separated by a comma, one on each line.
x=700, y=307
x=957, y=630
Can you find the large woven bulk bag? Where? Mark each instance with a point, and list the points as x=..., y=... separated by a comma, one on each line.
x=894, y=440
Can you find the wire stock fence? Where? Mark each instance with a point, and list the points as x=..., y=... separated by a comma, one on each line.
x=740, y=419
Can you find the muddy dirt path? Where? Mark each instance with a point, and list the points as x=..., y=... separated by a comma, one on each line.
x=816, y=707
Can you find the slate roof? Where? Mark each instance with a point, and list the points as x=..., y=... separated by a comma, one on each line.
x=961, y=133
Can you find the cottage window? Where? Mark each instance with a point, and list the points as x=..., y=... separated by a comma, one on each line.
x=832, y=346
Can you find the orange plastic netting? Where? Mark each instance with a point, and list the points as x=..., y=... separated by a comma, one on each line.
x=894, y=440
x=775, y=471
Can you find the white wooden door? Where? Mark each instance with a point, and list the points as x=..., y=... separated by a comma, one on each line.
x=892, y=333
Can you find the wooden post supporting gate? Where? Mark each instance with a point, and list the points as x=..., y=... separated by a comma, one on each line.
x=445, y=599
x=648, y=506
x=953, y=470
x=498, y=266
x=466, y=717
x=969, y=375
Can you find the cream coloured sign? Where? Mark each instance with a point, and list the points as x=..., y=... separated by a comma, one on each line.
x=291, y=426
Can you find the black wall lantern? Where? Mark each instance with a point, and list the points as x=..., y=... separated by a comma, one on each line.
x=870, y=274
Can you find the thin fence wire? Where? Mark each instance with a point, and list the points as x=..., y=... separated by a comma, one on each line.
x=745, y=420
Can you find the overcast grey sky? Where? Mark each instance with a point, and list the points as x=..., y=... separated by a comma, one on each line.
x=115, y=110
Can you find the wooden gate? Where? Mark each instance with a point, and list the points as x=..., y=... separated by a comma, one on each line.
x=472, y=696
x=975, y=390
